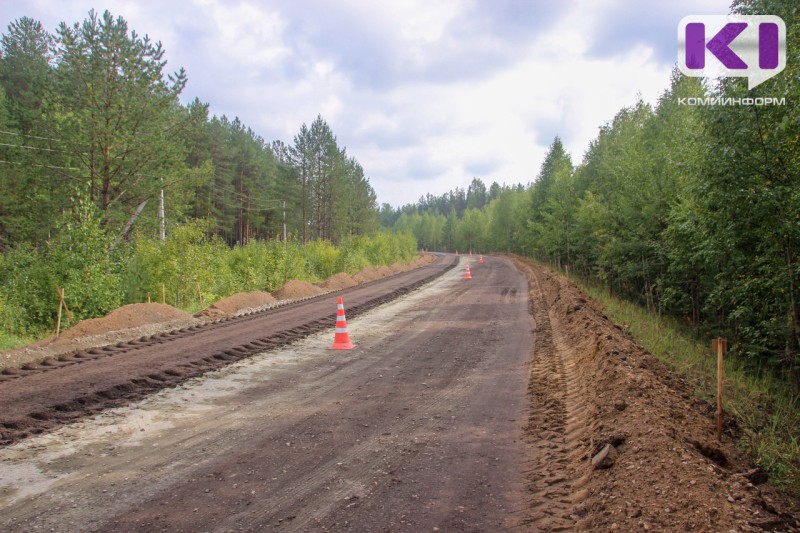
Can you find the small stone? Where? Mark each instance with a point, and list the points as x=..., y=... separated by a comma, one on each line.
x=605, y=458
x=620, y=405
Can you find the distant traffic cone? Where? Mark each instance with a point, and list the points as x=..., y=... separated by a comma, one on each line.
x=341, y=340
x=456, y=253
x=481, y=260
x=467, y=276
x=470, y=252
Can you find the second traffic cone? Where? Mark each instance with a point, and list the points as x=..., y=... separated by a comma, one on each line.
x=481, y=260
x=467, y=276
x=341, y=340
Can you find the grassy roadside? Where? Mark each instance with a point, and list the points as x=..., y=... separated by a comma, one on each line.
x=765, y=408
x=9, y=341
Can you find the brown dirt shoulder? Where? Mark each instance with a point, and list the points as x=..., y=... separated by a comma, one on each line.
x=667, y=472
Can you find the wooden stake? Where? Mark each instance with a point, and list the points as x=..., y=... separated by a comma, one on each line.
x=64, y=303
x=200, y=294
x=163, y=294
x=148, y=297
x=720, y=346
x=60, y=305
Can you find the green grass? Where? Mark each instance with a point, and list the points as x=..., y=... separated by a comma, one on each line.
x=764, y=406
x=9, y=341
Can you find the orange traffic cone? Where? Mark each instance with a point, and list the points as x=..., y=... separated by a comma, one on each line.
x=481, y=260
x=470, y=252
x=467, y=276
x=456, y=253
x=341, y=340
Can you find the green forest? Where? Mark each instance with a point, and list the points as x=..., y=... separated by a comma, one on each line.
x=689, y=210
x=111, y=189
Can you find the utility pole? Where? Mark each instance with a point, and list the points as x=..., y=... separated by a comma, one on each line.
x=161, y=218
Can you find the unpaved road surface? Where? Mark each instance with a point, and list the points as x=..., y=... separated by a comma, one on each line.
x=421, y=426
x=505, y=403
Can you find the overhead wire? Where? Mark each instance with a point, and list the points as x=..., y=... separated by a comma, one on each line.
x=29, y=136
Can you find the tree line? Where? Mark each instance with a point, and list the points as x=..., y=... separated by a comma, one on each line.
x=692, y=211
x=91, y=113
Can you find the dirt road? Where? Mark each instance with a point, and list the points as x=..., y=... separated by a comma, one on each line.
x=420, y=427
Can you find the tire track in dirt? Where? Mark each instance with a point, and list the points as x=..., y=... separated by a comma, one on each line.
x=556, y=422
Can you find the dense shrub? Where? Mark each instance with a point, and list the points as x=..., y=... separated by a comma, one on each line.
x=76, y=259
x=96, y=280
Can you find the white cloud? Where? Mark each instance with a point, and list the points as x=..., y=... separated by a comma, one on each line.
x=248, y=35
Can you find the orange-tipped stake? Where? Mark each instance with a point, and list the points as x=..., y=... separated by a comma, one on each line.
x=481, y=259
x=341, y=340
x=467, y=276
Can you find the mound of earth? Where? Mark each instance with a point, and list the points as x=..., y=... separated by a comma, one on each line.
x=366, y=275
x=127, y=316
x=636, y=450
x=295, y=289
x=420, y=260
x=340, y=281
x=236, y=302
x=398, y=267
x=385, y=271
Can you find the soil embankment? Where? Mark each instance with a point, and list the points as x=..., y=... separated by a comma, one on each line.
x=618, y=441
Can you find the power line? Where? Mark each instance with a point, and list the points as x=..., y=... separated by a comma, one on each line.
x=38, y=165
x=37, y=148
x=28, y=135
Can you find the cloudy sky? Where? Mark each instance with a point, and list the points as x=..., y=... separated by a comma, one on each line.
x=424, y=94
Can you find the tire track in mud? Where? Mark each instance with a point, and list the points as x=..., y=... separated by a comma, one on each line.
x=557, y=422
x=36, y=420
